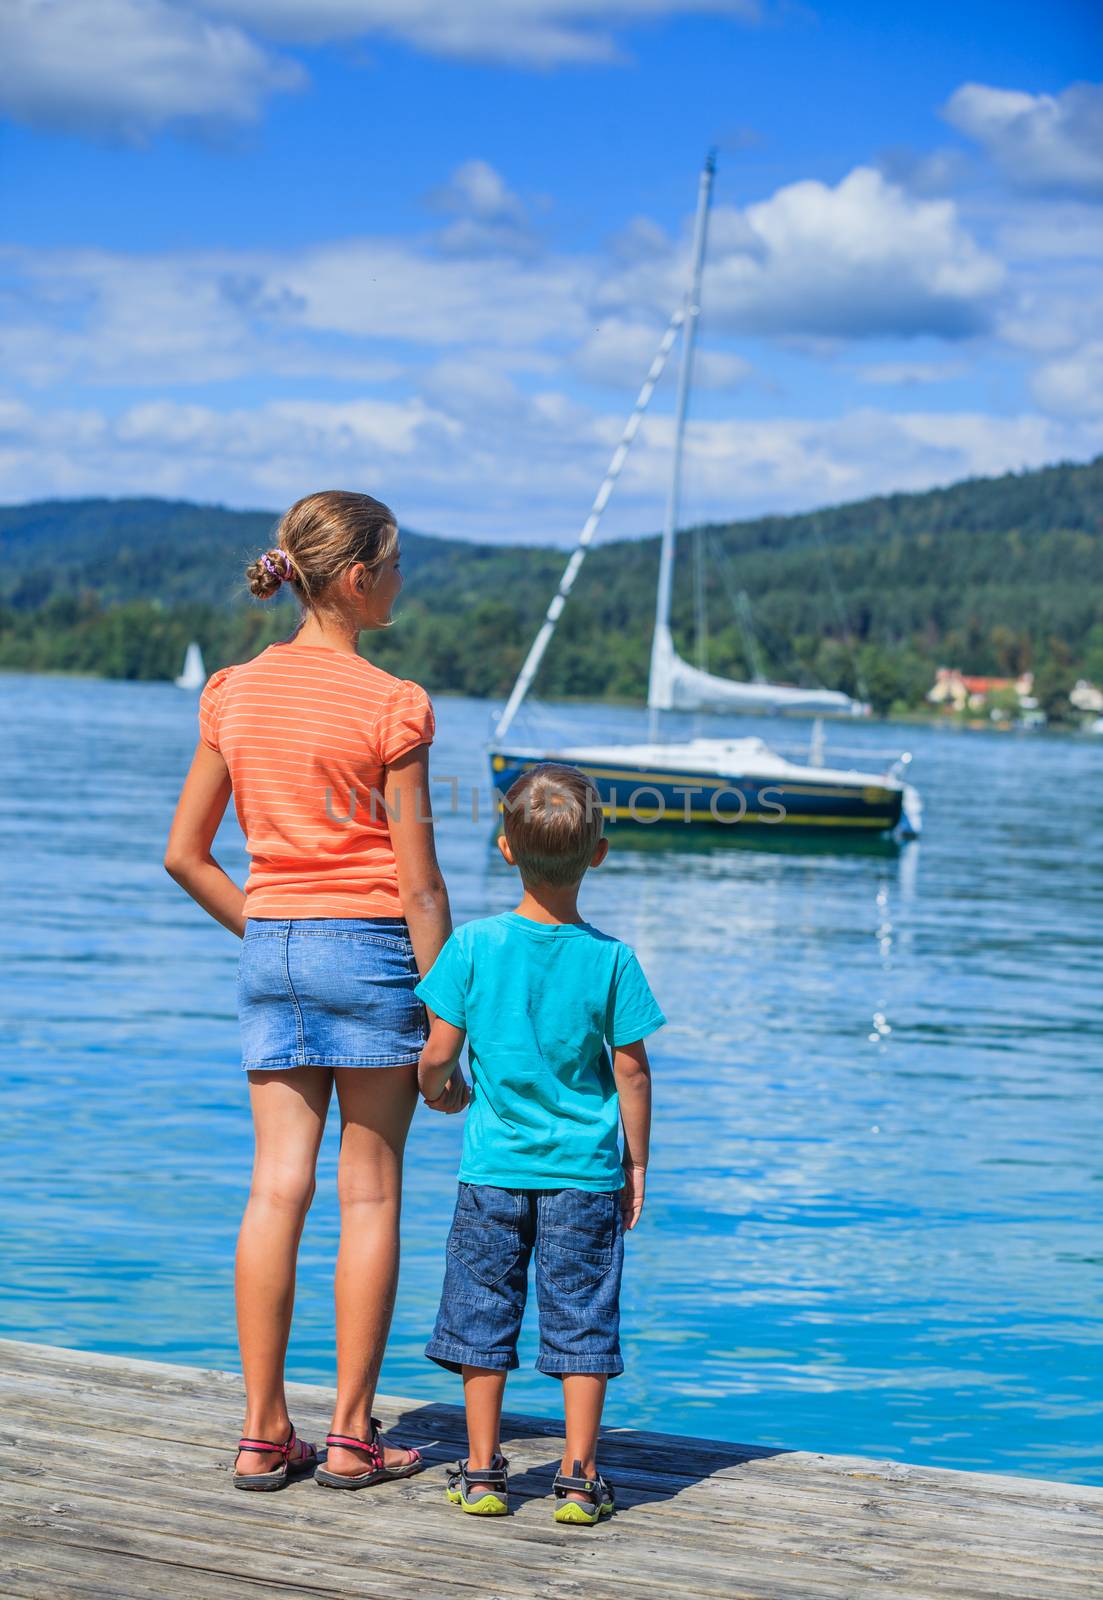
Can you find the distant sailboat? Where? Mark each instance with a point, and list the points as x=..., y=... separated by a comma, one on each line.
x=194, y=675
x=704, y=781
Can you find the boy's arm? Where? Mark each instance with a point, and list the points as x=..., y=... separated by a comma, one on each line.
x=632, y=1072
x=438, y=1063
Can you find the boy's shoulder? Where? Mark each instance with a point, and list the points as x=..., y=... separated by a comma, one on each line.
x=467, y=934
x=508, y=927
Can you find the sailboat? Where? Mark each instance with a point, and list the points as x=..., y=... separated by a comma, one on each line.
x=703, y=782
x=194, y=674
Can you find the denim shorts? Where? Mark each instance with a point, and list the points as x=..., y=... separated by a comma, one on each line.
x=328, y=992
x=578, y=1237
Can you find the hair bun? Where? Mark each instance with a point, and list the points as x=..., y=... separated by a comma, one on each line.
x=278, y=563
x=266, y=574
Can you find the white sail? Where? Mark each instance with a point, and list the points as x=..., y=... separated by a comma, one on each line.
x=677, y=686
x=673, y=685
x=194, y=675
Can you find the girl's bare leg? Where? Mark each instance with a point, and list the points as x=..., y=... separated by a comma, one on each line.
x=289, y=1115
x=377, y=1105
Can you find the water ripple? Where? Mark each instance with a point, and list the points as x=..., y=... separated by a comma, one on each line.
x=872, y=1216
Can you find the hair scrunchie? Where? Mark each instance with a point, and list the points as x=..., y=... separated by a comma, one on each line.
x=288, y=571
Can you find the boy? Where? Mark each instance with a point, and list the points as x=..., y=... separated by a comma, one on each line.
x=538, y=993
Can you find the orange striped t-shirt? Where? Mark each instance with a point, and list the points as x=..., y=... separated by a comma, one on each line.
x=306, y=732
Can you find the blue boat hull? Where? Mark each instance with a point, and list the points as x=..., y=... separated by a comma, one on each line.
x=634, y=798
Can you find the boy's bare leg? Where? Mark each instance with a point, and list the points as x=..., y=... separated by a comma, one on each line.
x=583, y=1399
x=483, y=1390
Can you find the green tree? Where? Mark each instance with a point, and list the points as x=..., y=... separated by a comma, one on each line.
x=1052, y=683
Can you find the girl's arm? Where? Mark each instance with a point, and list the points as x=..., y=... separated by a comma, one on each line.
x=420, y=884
x=632, y=1072
x=188, y=858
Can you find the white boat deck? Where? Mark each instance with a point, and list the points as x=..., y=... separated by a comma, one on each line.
x=713, y=758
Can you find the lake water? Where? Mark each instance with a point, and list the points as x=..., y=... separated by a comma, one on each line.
x=873, y=1214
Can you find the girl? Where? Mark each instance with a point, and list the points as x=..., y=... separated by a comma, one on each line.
x=344, y=905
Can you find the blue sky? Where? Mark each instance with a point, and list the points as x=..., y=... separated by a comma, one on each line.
x=256, y=247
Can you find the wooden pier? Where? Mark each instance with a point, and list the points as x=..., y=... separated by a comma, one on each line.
x=115, y=1485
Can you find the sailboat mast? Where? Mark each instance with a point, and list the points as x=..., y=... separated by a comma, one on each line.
x=662, y=643
x=559, y=599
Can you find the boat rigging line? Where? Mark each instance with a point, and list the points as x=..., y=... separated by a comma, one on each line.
x=601, y=500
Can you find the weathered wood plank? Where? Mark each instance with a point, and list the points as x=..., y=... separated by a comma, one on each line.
x=129, y=1423
x=119, y=1474
x=34, y=1570
x=201, y=1517
x=145, y=1508
x=197, y=1403
x=895, y=1499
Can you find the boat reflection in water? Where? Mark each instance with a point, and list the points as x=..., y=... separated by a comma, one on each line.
x=675, y=839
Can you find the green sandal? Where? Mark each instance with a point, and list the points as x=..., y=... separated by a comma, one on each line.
x=492, y=1501
x=599, y=1490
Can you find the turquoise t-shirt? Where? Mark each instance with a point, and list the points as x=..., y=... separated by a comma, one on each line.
x=540, y=1002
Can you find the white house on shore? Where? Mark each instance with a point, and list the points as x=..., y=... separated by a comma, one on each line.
x=961, y=691
x=1086, y=697
x=958, y=691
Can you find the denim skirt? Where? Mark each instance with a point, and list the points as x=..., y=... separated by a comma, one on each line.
x=328, y=992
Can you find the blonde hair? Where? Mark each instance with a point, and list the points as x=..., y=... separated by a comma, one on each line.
x=553, y=822
x=320, y=538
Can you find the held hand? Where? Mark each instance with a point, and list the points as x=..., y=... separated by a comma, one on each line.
x=453, y=1097
x=631, y=1196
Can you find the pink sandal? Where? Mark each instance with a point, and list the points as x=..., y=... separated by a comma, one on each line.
x=279, y=1475
x=377, y=1472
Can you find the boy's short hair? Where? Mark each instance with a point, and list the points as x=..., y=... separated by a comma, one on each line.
x=553, y=821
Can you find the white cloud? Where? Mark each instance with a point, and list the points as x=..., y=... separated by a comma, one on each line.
x=1072, y=385
x=1050, y=229
x=385, y=289
x=811, y=264
x=619, y=352
x=125, y=68
x=533, y=33
x=1054, y=310
x=502, y=466
x=910, y=374
x=195, y=450
x=98, y=317
x=207, y=317
x=739, y=467
x=862, y=259
x=441, y=353
x=476, y=189
x=487, y=217
x=1042, y=142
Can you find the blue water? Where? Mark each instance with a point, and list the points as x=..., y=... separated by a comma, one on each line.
x=873, y=1207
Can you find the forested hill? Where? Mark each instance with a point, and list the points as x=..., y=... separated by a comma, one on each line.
x=991, y=575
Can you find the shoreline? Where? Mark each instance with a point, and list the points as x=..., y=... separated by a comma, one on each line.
x=910, y=719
